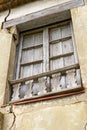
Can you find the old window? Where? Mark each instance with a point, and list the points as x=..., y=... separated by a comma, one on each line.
x=47, y=62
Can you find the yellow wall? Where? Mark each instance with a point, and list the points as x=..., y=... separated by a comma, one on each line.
x=5, y=48
x=68, y=113
x=79, y=17
x=1, y=120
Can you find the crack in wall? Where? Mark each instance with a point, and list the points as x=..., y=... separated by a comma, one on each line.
x=5, y=19
x=35, y=108
x=9, y=11
x=14, y=117
x=12, y=125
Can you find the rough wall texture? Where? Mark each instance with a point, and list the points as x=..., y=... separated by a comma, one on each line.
x=79, y=17
x=5, y=47
x=68, y=113
x=1, y=120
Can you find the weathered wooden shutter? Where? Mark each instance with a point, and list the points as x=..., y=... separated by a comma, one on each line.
x=61, y=46
x=46, y=50
x=62, y=54
x=31, y=54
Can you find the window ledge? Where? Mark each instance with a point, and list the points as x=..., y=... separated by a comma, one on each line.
x=64, y=93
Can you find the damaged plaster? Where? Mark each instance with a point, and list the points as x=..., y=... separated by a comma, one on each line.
x=35, y=116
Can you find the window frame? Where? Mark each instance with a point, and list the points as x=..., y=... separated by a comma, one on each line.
x=51, y=95
x=46, y=43
x=27, y=22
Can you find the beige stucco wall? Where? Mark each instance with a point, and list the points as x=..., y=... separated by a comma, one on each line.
x=68, y=113
x=5, y=47
x=44, y=117
x=1, y=120
x=79, y=17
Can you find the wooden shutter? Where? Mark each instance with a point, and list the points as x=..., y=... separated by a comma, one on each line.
x=61, y=46
x=31, y=54
x=44, y=50
x=63, y=53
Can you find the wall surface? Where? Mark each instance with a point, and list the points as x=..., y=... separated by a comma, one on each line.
x=5, y=47
x=68, y=113
x=79, y=18
x=1, y=120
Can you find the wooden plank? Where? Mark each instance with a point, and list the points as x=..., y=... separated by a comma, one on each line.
x=66, y=30
x=45, y=12
x=44, y=74
x=19, y=58
x=26, y=71
x=37, y=68
x=32, y=55
x=69, y=60
x=61, y=39
x=28, y=40
x=25, y=57
x=32, y=47
x=45, y=50
x=62, y=55
x=38, y=38
x=30, y=63
x=59, y=24
x=38, y=54
x=55, y=49
x=56, y=63
x=55, y=33
x=67, y=46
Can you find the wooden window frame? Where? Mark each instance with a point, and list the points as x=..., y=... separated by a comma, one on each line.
x=54, y=14
x=50, y=95
x=45, y=45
